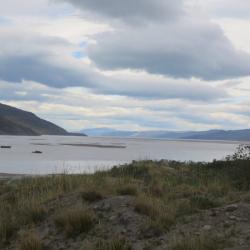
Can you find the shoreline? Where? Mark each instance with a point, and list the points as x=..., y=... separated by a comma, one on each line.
x=7, y=176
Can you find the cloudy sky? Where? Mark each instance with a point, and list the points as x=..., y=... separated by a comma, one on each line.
x=134, y=65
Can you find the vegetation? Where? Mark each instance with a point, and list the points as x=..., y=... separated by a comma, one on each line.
x=201, y=242
x=75, y=221
x=163, y=192
x=30, y=241
x=115, y=244
x=91, y=196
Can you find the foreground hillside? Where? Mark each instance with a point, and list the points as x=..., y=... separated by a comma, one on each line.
x=14, y=121
x=145, y=205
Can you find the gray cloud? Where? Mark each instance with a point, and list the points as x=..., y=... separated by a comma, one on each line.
x=48, y=60
x=131, y=10
x=153, y=87
x=39, y=69
x=227, y=8
x=41, y=59
x=184, y=49
x=188, y=46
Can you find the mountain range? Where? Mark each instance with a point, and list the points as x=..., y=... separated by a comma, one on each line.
x=15, y=121
x=237, y=135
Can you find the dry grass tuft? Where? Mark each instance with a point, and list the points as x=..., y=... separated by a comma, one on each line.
x=115, y=244
x=129, y=189
x=162, y=216
x=30, y=241
x=35, y=212
x=75, y=221
x=202, y=242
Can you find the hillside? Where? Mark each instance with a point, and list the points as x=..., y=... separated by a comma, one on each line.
x=14, y=121
x=143, y=205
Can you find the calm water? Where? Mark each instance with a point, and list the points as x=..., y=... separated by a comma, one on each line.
x=87, y=158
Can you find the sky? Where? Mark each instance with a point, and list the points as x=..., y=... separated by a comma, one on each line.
x=130, y=65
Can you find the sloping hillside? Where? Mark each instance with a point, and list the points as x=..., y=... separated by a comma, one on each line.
x=14, y=121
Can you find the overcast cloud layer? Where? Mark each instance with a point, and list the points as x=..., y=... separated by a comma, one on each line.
x=146, y=64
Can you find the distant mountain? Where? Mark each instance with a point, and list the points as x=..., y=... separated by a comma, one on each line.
x=107, y=132
x=15, y=121
x=237, y=135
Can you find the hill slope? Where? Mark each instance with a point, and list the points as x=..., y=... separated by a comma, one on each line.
x=14, y=121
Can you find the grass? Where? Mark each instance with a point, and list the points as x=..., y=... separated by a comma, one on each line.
x=30, y=241
x=129, y=189
x=164, y=192
x=75, y=221
x=115, y=244
x=201, y=242
x=203, y=202
x=91, y=196
x=161, y=216
x=35, y=212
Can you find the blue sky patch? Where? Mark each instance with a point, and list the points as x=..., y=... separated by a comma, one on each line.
x=79, y=54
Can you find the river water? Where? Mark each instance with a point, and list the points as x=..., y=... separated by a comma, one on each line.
x=87, y=154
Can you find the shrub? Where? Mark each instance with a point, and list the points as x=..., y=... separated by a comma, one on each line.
x=202, y=202
x=242, y=153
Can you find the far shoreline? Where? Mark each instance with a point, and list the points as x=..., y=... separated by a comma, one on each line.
x=137, y=138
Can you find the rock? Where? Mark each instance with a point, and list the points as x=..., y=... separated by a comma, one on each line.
x=231, y=208
x=112, y=218
x=124, y=231
x=106, y=207
x=244, y=220
x=6, y=147
x=213, y=213
x=232, y=217
x=37, y=152
x=227, y=223
x=207, y=227
x=124, y=220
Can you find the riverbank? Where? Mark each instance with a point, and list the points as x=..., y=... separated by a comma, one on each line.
x=143, y=205
x=9, y=177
